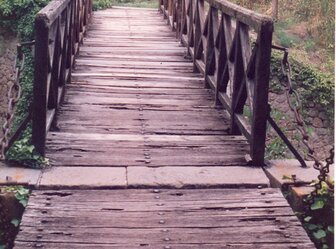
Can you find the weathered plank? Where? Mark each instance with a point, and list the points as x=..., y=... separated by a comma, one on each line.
x=213, y=218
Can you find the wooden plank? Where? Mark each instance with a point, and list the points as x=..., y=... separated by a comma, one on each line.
x=178, y=218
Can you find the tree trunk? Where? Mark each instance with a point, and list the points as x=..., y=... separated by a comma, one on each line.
x=275, y=9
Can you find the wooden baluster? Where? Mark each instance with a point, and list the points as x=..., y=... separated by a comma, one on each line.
x=55, y=66
x=178, y=17
x=222, y=78
x=237, y=83
x=184, y=22
x=41, y=72
x=65, y=48
x=198, y=26
x=246, y=55
x=260, y=100
x=210, y=57
x=190, y=12
x=165, y=7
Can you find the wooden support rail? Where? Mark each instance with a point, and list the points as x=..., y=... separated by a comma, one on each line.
x=231, y=47
x=59, y=30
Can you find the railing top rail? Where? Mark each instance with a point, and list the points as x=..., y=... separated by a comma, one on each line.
x=50, y=12
x=242, y=14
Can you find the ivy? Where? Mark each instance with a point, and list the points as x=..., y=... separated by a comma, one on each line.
x=319, y=218
x=18, y=16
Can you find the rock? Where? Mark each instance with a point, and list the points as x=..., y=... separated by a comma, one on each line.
x=326, y=124
x=313, y=113
x=317, y=123
x=323, y=115
x=321, y=131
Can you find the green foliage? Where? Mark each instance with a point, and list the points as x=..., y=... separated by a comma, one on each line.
x=24, y=153
x=18, y=15
x=319, y=218
x=286, y=39
x=313, y=85
x=320, y=15
x=10, y=221
x=103, y=4
x=21, y=193
x=276, y=149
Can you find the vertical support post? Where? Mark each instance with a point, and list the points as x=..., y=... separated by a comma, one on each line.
x=237, y=80
x=275, y=9
x=41, y=71
x=260, y=101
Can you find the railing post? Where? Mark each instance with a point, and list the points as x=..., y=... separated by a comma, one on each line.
x=260, y=102
x=42, y=63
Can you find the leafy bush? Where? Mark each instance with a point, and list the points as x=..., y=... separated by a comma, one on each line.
x=101, y=4
x=319, y=218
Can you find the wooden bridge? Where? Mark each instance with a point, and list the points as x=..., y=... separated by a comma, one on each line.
x=141, y=107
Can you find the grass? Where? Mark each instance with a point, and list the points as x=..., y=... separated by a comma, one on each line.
x=103, y=4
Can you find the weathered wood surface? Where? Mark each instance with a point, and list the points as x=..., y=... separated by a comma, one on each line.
x=213, y=218
x=135, y=101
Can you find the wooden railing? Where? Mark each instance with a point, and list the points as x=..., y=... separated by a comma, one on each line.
x=231, y=47
x=59, y=31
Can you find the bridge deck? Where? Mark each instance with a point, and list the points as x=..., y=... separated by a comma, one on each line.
x=134, y=103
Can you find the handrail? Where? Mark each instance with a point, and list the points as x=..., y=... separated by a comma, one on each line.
x=238, y=70
x=59, y=31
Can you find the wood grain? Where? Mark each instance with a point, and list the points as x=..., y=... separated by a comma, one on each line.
x=206, y=218
x=134, y=100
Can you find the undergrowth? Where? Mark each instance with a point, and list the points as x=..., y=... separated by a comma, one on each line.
x=313, y=85
x=13, y=200
x=103, y=4
x=318, y=219
x=18, y=16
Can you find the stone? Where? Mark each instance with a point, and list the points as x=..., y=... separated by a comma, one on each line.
x=322, y=115
x=326, y=124
x=84, y=177
x=321, y=131
x=317, y=122
x=313, y=113
x=17, y=175
x=180, y=177
x=280, y=172
x=297, y=196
